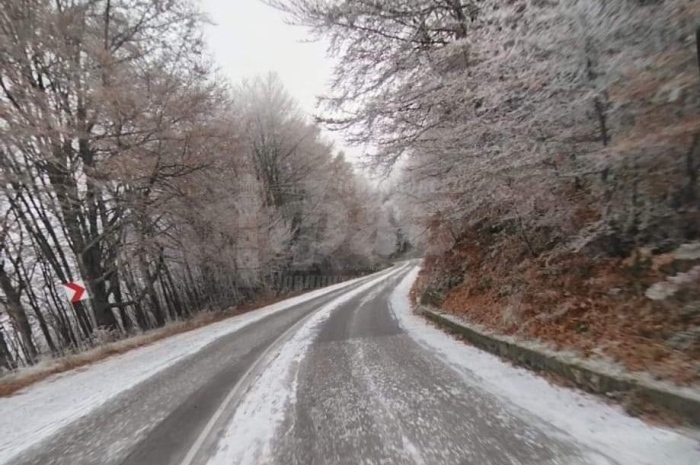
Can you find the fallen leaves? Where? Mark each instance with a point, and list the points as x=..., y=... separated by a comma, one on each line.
x=592, y=306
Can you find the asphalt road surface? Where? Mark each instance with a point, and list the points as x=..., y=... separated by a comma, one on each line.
x=364, y=392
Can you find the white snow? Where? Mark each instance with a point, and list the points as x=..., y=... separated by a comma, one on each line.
x=598, y=362
x=596, y=425
x=248, y=437
x=40, y=410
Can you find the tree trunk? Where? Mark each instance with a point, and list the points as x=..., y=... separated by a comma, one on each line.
x=17, y=314
x=5, y=356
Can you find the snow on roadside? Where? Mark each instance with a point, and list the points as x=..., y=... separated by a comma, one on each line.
x=602, y=427
x=248, y=437
x=40, y=410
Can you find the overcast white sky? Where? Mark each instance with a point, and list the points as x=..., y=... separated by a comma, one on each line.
x=250, y=38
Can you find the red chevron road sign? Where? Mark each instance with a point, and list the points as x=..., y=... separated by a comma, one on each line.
x=75, y=291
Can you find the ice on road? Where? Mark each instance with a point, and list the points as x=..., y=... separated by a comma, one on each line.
x=248, y=438
x=341, y=376
x=367, y=381
x=40, y=410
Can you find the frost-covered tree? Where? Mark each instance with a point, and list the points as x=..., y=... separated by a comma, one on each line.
x=574, y=117
x=309, y=192
x=126, y=165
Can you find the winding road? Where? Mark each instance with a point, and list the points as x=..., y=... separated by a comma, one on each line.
x=333, y=380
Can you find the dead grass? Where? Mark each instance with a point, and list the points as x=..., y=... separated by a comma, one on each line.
x=593, y=307
x=12, y=383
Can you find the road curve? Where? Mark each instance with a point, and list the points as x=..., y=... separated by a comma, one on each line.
x=332, y=381
x=156, y=422
x=366, y=393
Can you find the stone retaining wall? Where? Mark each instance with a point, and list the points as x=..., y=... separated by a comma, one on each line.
x=682, y=405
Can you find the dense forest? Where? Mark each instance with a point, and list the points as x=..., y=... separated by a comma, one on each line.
x=545, y=154
x=129, y=164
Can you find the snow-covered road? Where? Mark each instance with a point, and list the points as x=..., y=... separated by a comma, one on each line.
x=346, y=375
x=369, y=382
x=35, y=419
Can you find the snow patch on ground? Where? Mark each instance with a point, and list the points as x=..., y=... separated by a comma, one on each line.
x=40, y=410
x=248, y=438
x=601, y=427
x=597, y=363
